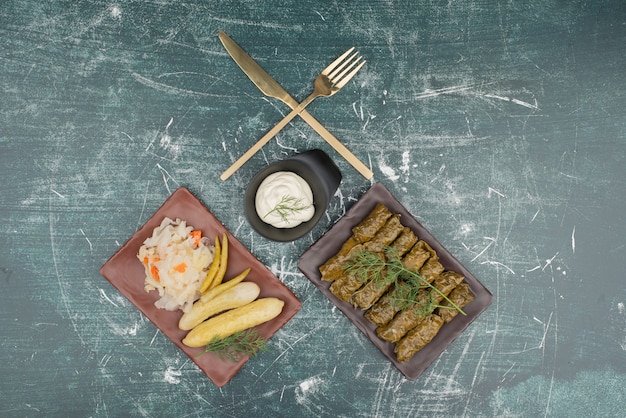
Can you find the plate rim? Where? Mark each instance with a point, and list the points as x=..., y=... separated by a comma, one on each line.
x=208, y=362
x=331, y=241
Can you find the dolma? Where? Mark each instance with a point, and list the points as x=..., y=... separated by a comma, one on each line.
x=408, y=318
x=385, y=235
x=334, y=266
x=418, y=255
x=405, y=241
x=426, y=302
x=461, y=296
x=349, y=282
x=445, y=283
x=345, y=286
x=418, y=337
x=388, y=305
x=373, y=290
x=368, y=227
x=431, y=269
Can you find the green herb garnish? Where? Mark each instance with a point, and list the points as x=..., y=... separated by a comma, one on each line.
x=288, y=205
x=411, y=287
x=368, y=265
x=233, y=347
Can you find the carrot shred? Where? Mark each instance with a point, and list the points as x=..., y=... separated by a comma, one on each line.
x=155, y=273
x=180, y=267
x=197, y=236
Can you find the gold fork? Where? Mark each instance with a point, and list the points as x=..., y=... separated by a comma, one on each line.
x=329, y=82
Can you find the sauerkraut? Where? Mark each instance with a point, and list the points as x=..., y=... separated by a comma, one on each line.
x=176, y=259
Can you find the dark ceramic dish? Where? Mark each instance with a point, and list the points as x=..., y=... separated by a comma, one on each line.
x=126, y=273
x=319, y=171
x=329, y=244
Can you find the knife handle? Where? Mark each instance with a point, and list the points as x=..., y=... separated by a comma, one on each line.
x=338, y=146
x=265, y=139
x=245, y=157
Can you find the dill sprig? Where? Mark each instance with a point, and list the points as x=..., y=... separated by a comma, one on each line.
x=286, y=206
x=406, y=295
x=233, y=347
x=410, y=287
x=368, y=265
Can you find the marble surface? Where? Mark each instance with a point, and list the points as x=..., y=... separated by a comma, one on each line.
x=500, y=125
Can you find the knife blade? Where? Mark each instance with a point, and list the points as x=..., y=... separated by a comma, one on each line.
x=268, y=86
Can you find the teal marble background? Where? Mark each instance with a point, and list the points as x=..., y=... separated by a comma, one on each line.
x=500, y=125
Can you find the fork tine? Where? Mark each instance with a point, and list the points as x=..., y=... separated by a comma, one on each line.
x=348, y=77
x=335, y=77
x=336, y=62
x=339, y=68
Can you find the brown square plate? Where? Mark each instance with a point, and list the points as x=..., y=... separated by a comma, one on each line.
x=330, y=243
x=126, y=273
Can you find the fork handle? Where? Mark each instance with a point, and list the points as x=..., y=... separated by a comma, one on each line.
x=259, y=144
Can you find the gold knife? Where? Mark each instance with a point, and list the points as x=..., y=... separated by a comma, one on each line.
x=271, y=88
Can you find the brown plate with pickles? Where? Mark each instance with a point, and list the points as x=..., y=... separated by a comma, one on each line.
x=317, y=264
x=127, y=275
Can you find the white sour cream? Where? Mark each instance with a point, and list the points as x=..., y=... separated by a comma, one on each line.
x=284, y=200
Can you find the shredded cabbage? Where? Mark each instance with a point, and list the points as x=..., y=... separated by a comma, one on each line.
x=176, y=259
